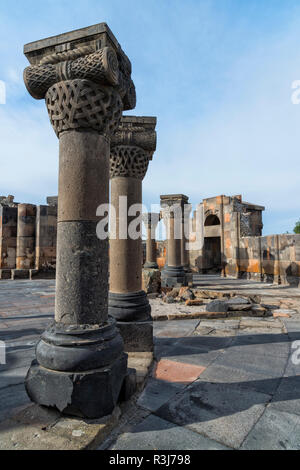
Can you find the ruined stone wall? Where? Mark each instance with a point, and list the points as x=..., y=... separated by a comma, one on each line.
x=8, y=237
x=46, y=229
x=273, y=258
x=27, y=236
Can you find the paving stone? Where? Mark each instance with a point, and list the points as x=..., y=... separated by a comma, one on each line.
x=157, y=393
x=264, y=343
x=287, y=396
x=240, y=378
x=12, y=376
x=157, y=434
x=251, y=361
x=224, y=413
x=200, y=357
x=276, y=430
x=11, y=398
x=177, y=372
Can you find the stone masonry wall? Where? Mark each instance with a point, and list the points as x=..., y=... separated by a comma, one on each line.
x=273, y=258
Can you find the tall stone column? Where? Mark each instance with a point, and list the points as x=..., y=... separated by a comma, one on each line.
x=173, y=274
x=8, y=239
x=151, y=221
x=25, y=253
x=132, y=148
x=84, y=77
x=185, y=235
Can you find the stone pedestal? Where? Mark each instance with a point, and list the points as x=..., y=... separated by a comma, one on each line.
x=132, y=148
x=173, y=274
x=84, y=77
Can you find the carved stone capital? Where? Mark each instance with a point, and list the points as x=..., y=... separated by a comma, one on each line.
x=175, y=206
x=82, y=104
x=85, y=78
x=128, y=161
x=132, y=147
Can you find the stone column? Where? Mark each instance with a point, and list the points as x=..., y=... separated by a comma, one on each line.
x=45, y=242
x=173, y=274
x=151, y=221
x=185, y=261
x=84, y=77
x=132, y=149
x=25, y=256
x=8, y=240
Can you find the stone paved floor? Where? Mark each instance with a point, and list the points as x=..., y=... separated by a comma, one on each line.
x=218, y=384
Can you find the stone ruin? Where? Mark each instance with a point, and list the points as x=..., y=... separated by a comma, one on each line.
x=27, y=239
x=85, y=79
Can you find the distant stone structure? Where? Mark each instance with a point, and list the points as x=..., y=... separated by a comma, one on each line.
x=230, y=233
x=27, y=239
x=173, y=273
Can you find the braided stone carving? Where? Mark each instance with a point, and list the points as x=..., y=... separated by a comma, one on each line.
x=77, y=104
x=128, y=161
x=85, y=87
x=100, y=67
x=132, y=147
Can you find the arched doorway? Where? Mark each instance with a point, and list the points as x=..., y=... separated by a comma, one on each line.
x=212, y=245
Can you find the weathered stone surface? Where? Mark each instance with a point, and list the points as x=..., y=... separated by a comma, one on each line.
x=194, y=302
x=71, y=393
x=186, y=293
x=137, y=336
x=217, y=306
x=151, y=281
x=39, y=428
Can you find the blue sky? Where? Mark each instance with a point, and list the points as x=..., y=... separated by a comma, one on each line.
x=216, y=73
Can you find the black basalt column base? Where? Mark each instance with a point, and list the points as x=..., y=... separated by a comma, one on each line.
x=133, y=314
x=137, y=336
x=173, y=276
x=92, y=394
x=79, y=369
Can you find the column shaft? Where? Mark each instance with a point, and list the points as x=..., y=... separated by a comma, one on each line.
x=125, y=254
x=26, y=236
x=82, y=259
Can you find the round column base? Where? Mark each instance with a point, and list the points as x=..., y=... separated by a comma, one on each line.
x=79, y=369
x=173, y=276
x=77, y=348
x=129, y=307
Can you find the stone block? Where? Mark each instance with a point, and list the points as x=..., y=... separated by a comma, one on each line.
x=151, y=279
x=137, y=336
x=19, y=274
x=217, y=306
x=91, y=394
x=5, y=273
